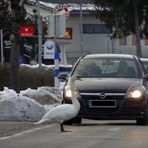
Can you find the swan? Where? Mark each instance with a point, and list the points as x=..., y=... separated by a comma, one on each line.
x=63, y=112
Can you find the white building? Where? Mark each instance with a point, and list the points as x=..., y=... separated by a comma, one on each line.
x=95, y=37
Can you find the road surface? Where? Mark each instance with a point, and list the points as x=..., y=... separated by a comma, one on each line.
x=91, y=134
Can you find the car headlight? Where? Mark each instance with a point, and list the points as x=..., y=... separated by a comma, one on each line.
x=135, y=94
x=68, y=93
x=136, y=91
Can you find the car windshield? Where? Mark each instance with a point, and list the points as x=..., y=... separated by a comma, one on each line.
x=107, y=67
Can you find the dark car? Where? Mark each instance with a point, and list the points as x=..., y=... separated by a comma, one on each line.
x=110, y=86
x=145, y=63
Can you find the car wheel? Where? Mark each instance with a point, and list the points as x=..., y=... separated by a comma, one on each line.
x=76, y=120
x=69, y=122
x=143, y=120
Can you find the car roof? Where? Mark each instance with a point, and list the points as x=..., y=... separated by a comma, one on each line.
x=144, y=59
x=125, y=56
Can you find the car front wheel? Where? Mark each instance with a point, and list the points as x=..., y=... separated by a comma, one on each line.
x=143, y=120
x=76, y=120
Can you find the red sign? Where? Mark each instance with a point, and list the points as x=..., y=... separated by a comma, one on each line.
x=27, y=31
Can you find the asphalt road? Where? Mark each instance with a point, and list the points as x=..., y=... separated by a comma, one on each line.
x=91, y=134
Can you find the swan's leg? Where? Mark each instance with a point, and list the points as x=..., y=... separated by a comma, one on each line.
x=62, y=127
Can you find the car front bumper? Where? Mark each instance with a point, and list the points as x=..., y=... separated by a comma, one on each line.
x=125, y=109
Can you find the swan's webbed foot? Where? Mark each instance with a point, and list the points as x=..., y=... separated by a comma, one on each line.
x=62, y=128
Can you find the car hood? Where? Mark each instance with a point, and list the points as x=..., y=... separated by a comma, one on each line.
x=105, y=84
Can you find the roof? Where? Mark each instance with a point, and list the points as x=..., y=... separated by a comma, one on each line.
x=68, y=1
x=74, y=7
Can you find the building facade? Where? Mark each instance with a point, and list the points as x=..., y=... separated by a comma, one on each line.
x=97, y=38
x=87, y=34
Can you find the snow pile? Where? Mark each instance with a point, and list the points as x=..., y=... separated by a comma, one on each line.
x=22, y=107
x=43, y=95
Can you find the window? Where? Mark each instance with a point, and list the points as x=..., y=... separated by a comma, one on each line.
x=106, y=67
x=95, y=29
x=68, y=33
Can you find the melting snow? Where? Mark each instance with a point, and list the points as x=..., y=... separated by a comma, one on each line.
x=29, y=105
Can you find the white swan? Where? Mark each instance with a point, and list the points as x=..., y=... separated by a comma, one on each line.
x=63, y=112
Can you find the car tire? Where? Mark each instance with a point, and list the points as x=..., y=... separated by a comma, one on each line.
x=69, y=122
x=76, y=120
x=143, y=120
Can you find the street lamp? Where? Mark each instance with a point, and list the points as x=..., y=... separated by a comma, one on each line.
x=81, y=28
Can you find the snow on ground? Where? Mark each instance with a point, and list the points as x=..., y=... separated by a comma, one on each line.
x=28, y=105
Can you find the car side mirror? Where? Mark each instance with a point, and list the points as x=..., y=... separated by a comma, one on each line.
x=63, y=76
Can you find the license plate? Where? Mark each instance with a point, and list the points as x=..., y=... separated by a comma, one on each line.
x=102, y=103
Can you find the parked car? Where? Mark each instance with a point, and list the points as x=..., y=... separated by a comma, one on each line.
x=110, y=86
x=145, y=63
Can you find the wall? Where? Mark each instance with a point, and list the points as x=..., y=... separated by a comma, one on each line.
x=96, y=43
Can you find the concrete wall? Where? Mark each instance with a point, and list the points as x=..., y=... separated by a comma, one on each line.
x=96, y=43
x=92, y=43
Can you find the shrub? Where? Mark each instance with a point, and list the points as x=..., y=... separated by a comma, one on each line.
x=29, y=77
x=4, y=76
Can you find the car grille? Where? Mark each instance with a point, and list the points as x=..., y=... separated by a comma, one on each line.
x=107, y=103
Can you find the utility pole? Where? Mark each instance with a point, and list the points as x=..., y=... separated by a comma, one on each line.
x=56, y=54
x=2, y=53
x=40, y=46
x=14, y=75
x=137, y=30
x=81, y=29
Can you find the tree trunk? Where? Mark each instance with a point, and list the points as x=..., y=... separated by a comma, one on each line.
x=14, y=75
x=137, y=30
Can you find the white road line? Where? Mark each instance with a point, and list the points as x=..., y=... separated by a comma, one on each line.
x=24, y=132
x=99, y=137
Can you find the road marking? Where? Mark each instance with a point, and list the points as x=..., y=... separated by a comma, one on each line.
x=24, y=132
x=99, y=137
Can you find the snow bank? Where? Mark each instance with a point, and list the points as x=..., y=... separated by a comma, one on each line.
x=43, y=95
x=26, y=106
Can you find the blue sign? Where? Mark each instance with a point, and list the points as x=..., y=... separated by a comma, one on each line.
x=49, y=45
x=56, y=72
x=49, y=49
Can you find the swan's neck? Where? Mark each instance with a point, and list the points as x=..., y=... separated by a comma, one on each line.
x=74, y=98
x=75, y=102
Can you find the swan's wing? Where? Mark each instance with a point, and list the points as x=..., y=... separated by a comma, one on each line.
x=60, y=113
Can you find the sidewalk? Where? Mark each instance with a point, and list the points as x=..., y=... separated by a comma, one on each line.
x=10, y=128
